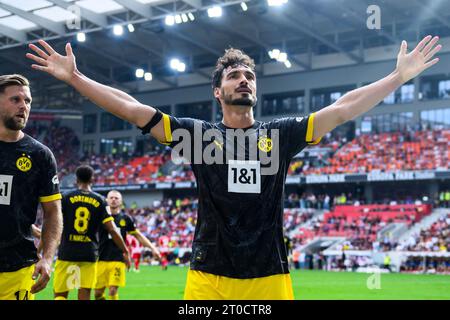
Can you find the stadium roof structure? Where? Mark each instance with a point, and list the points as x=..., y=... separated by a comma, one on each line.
x=300, y=28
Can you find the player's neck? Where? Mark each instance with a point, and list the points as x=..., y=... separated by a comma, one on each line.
x=84, y=187
x=7, y=135
x=115, y=211
x=237, y=116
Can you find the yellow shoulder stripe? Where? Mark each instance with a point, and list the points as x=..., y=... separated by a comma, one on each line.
x=167, y=130
x=310, y=130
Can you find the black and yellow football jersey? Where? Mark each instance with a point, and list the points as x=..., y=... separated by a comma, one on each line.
x=109, y=251
x=239, y=231
x=28, y=175
x=84, y=213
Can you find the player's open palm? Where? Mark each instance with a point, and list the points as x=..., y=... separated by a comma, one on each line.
x=50, y=61
x=409, y=65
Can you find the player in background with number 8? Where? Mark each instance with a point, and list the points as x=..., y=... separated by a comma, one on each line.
x=84, y=213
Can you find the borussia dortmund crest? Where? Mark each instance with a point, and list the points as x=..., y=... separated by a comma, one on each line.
x=24, y=163
x=265, y=144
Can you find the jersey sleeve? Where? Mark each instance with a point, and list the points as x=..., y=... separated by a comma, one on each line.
x=179, y=129
x=48, y=181
x=130, y=226
x=296, y=133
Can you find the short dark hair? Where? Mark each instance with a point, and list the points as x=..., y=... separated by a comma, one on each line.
x=232, y=57
x=9, y=80
x=84, y=174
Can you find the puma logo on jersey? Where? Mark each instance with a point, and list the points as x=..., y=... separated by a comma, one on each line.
x=55, y=179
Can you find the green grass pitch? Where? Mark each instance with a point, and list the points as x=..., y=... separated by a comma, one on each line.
x=152, y=283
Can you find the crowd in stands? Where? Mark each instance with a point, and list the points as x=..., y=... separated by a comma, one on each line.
x=170, y=223
x=62, y=140
x=361, y=224
x=431, y=265
x=115, y=170
x=308, y=200
x=295, y=217
x=418, y=150
x=436, y=238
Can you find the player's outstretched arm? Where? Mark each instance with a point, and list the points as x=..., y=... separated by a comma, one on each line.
x=119, y=103
x=50, y=237
x=361, y=100
x=118, y=240
x=147, y=243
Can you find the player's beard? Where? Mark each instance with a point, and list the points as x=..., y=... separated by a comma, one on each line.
x=115, y=208
x=12, y=124
x=246, y=101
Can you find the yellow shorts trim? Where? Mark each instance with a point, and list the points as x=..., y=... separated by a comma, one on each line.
x=110, y=274
x=71, y=275
x=17, y=285
x=51, y=198
x=205, y=286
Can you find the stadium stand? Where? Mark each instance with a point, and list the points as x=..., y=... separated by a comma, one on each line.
x=420, y=150
x=434, y=239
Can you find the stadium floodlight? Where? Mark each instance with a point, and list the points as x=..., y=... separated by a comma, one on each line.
x=174, y=63
x=178, y=19
x=215, y=12
x=140, y=73
x=177, y=65
x=170, y=20
x=118, y=30
x=148, y=76
x=191, y=16
x=274, y=54
x=244, y=6
x=130, y=28
x=276, y=3
x=184, y=17
x=181, y=67
x=81, y=37
x=282, y=57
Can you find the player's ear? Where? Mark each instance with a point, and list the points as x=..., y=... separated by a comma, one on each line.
x=217, y=93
